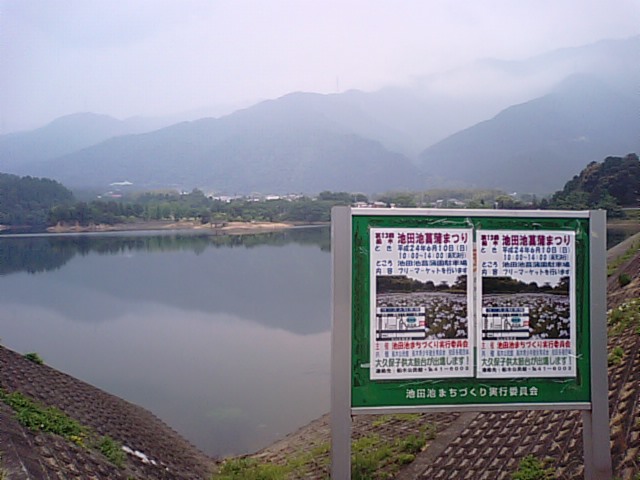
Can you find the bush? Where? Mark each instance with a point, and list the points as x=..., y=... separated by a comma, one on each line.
x=532, y=468
x=615, y=357
x=112, y=450
x=47, y=419
x=624, y=279
x=34, y=357
x=247, y=469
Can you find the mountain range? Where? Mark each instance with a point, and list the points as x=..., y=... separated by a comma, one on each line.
x=521, y=126
x=531, y=146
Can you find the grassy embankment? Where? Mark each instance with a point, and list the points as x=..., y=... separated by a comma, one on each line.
x=372, y=457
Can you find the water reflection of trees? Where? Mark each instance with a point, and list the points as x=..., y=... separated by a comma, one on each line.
x=37, y=254
x=32, y=255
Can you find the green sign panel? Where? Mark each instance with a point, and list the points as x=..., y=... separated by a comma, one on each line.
x=464, y=309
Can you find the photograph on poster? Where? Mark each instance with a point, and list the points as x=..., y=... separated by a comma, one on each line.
x=420, y=299
x=438, y=311
x=526, y=304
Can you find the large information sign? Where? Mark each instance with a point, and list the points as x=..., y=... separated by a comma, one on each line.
x=469, y=310
x=464, y=308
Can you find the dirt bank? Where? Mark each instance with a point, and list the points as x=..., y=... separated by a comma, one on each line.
x=230, y=228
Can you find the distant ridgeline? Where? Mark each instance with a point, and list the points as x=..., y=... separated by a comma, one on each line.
x=611, y=185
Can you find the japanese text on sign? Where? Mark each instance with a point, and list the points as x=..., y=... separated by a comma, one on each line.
x=420, y=303
x=526, y=304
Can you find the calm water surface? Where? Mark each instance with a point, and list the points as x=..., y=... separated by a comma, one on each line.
x=224, y=338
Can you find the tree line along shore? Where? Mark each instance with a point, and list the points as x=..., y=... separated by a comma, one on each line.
x=41, y=203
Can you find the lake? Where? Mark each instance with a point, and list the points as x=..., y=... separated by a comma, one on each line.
x=225, y=338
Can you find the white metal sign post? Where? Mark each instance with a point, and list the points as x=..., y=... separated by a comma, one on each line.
x=469, y=310
x=341, y=344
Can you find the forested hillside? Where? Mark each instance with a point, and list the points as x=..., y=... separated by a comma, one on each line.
x=612, y=184
x=28, y=200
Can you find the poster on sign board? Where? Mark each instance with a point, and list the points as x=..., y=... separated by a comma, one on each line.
x=421, y=297
x=526, y=321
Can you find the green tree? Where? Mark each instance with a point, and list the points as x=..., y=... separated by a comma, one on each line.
x=611, y=185
x=400, y=199
x=28, y=200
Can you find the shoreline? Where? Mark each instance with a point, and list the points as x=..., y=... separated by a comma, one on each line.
x=230, y=228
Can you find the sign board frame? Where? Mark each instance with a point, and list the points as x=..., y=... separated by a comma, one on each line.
x=356, y=391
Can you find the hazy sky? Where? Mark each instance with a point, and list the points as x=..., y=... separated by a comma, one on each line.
x=161, y=57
